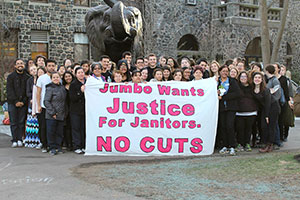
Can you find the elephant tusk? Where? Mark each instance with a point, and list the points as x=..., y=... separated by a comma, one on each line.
x=110, y=3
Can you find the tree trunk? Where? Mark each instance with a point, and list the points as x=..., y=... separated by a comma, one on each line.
x=280, y=32
x=265, y=37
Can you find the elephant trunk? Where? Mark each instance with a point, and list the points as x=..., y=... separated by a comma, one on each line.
x=119, y=22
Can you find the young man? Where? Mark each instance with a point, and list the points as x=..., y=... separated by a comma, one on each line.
x=202, y=62
x=152, y=65
x=139, y=63
x=41, y=91
x=17, y=102
x=104, y=61
x=127, y=55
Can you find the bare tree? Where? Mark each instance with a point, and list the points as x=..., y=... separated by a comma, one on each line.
x=265, y=36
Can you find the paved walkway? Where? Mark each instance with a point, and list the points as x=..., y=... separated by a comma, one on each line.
x=29, y=174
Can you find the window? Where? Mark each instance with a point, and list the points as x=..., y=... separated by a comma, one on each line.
x=81, y=47
x=39, y=43
x=81, y=3
x=281, y=3
x=8, y=48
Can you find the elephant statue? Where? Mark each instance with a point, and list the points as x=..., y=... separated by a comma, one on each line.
x=113, y=29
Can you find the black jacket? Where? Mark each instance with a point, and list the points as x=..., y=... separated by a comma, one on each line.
x=246, y=101
x=16, y=88
x=263, y=101
x=29, y=87
x=55, y=101
x=77, y=100
x=231, y=97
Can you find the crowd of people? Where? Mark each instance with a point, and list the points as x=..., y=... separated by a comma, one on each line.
x=46, y=101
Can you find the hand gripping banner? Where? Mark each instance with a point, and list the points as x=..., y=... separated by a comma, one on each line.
x=159, y=118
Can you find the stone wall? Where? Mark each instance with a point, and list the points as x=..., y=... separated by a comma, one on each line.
x=165, y=22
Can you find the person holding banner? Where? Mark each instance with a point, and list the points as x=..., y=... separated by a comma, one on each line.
x=77, y=110
x=136, y=76
x=123, y=67
x=158, y=75
x=229, y=93
x=198, y=73
x=177, y=75
x=96, y=69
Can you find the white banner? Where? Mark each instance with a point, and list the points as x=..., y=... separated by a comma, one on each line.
x=158, y=118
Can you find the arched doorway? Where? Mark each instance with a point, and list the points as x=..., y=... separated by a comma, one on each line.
x=188, y=46
x=253, y=51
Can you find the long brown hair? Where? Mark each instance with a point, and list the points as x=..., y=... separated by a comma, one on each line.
x=263, y=83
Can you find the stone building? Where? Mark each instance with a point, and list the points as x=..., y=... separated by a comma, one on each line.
x=198, y=28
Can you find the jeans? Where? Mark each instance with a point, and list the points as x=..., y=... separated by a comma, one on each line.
x=17, y=117
x=42, y=130
x=78, y=131
x=55, y=133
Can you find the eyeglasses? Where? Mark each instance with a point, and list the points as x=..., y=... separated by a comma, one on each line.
x=96, y=68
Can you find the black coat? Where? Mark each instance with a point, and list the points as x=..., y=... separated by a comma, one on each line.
x=231, y=97
x=16, y=88
x=77, y=100
x=263, y=101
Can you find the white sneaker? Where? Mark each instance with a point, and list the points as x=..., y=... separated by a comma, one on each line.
x=14, y=145
x=44, y=150
x=78, y=151
x=223, y=150
x=39, y=146
x=232, y=152
x=20, y=143
x=83, y=150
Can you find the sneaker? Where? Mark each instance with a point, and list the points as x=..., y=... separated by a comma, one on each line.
x=59, y=151
x=52, y=152
x=83, y=150
x=78, y=151
x=276, y=147
x=248, y=148
x=20, y=143
x=223, y=150
x=14, y=145
x=232, y=152
x=39, y=146
x=44, y=150
x=239, y=148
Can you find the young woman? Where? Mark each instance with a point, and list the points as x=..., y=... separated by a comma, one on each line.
x=198, y=73
x=32, y=138
x=173, y=64
x=229, y=93
x=246, y=113
x=262, y=96
x=270, y=132
x=167, y=76
x=86, y=67
x=61, y=70
x=214, y=68
x=77, y=110
x=67, y=80
x=144, y=74
x=158, y=75
x=234, y=73
x=55, y=99
x=177, y=75
x=123, y=67
x=186, y=72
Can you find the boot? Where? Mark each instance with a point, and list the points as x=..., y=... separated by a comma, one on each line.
x=265, y=149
